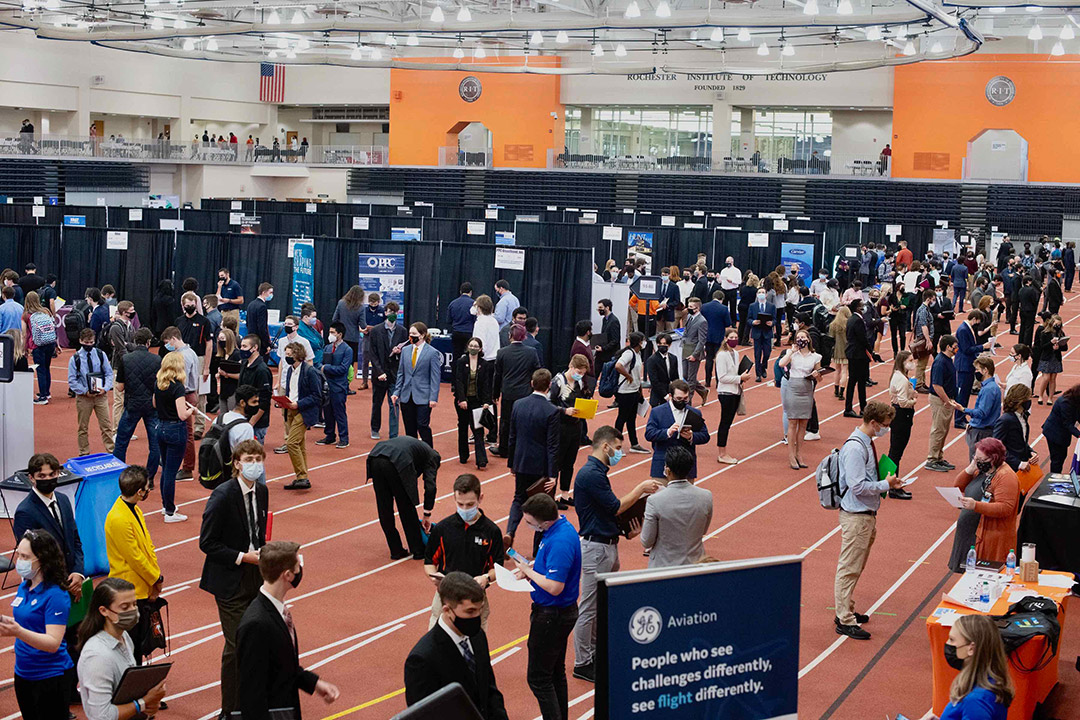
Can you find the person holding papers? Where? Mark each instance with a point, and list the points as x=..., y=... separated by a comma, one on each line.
x=566, y=389
x=761, y=331
x=990, y=502
x=675, y=424
x=455, y=650
x=467, y=541
x=472, y=392
x=108, y=650
x=987, y=404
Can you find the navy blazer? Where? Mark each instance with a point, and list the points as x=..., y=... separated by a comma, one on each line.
x=967, y=348
x=719, y=319
x=660, y=419
x=32, y=514
x=673, y=297
x=1060, y=425
x=760, y=332
x=336, y=365
x=1010, y=432
x=267, y=660
x=309, y=394
x=534, y=435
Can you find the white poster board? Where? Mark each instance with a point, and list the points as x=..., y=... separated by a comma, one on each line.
x=236, y=205
x=172, y=224
x=757, y=239
x=779, y=224
x=667, y=220
x=116, y=240
x=236, y=218
x=507, y=258
x=361, y=223
x=135, y=215
x=38, y=211
x=893, y=231
x=613, y=232
x=476, y=227
x=491, y=213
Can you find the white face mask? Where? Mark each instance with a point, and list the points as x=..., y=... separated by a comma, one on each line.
x=332, y=337
x=251, y=471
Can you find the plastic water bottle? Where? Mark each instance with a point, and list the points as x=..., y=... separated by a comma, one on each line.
x=984, y=596
x=1010, y=563
x=969, y=566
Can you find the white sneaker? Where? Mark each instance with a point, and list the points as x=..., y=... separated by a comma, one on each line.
x=175, y=518
x=812, y=436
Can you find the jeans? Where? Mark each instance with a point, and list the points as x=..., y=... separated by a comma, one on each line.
x=549, y=630
x=964, y=381
x=959, y=293
x=172, y=439
x=43, y=355
x=336, y=417
x=260, y=434
x=125, y=428
x=379, y=390
x=417, y=419
x=596, y=558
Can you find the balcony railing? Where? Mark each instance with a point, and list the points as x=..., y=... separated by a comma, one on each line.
x=757, y=163
x=152, y=150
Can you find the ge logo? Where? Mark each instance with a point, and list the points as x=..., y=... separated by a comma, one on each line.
x=1000, y=91
x=470, y=89
x=645, y=625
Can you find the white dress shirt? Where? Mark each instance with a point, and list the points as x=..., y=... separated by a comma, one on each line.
x=679, y=415
x=249, y=498
x=730, y=278
x=278, y=605
x=50, y=503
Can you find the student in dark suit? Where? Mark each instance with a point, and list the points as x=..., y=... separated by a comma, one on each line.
x=968, y=347
x=1060, y=427
x=857, y=352
x=233, y=530
x=514, y=368
x=393, y=466
x=257, y=323
x=718, y=317
x=532, y=329
x=267, y=649
x=675, y=423
x=661, y=368
x=610, y=332
x=670, y=296
x=456, y=650
x=534, y=432
x=762, y=317
x=462, y=318
x=1027, y=307
x=472, y=390
x=566, y=388
x=1013, y=429
x=417, y=386
x=387, y=342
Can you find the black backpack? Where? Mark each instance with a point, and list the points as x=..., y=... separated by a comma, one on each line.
x=74, y=324
x=1026, y=619
x=104, y=338
x=215, y=453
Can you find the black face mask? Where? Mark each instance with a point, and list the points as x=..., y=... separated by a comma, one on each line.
x=950, y=657
x=290, y=361
x=250, y=411
x=221, y=278
x=469, y=627
x=984, y=466
x=45, y=486
x=678, y=404
x=662, y=349
x=295, y=582
x=414, y=339
x=189, y=309
x=245, y=354
x=87, y=348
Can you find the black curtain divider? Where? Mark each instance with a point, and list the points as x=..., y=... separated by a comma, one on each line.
x=557, y=289
x=200, y=255
x=461, y=262
x=273, y=266
x=21, y=244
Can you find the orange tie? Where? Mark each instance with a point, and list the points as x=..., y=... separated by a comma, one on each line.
x=415, y=352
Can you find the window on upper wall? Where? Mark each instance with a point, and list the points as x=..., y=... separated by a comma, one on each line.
x=573, y=130
x=645, y=131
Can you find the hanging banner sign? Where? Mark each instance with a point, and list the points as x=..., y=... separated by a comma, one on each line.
x=400, y=233
x=503, y=237
x=116, y=240
x=509, y=259
x=361, y=223
x=76, y=220
x=384, y=274
x=303, y=273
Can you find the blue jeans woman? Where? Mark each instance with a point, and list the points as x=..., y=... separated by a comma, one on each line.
x=172, y=439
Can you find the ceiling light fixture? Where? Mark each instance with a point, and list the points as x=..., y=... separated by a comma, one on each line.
x=157, y=24
x=212, y=45
x=936, y=48
x=179, y=24
x=844, y=7
x=620, y=50
x=997, y=10
x=303, y=44
x=1058, y=50
x=537, y=38
x=873, y=33
x=1035, y=33
x=763, y=49
x=1034, y=9
x=273, y=19
x=272, y=55
x=464, y=15
x=744, y=35
x=788, y=50
x=632, y=10
x=390, y=40
x=479, y=53
x=458, y=53
x=598, y=50
x=663, y=10
x=811, y=8
x=717, y=34
x=376, y=54
x=52, y=4
x=356, y=54
x=412, y=40
x=909, y=49
x=437, y=15
x=298, y=18
x=562, y=38
x=189, y=45
x=291, y=55
x=1067, y=33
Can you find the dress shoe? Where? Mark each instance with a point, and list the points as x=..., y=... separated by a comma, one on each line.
x=399, y=554
x=325, y=441
x=585, y=672
x=299, y=484
x=852, y=631
x=850, y=414
x=899, y=494
x=281, y=449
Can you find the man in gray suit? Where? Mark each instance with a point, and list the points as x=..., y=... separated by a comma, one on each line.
x=695, y=334
x=677, y=517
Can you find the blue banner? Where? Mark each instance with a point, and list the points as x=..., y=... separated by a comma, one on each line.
x=718, y=640
x=75, y=220
x=303, y=274
x=384, y=274
x=402, y=233
x=801, y=254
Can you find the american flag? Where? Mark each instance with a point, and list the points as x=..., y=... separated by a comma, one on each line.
x=271, y=83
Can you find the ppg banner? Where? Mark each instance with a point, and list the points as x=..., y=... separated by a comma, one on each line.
x=710, y=641
x=303, y=274
x=384, y=274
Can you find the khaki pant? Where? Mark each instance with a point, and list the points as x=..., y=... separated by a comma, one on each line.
x=436, y=611
x=117, y=406
x=197, y=419
x=295, y=443
x=940, y=416
x=857, y=533
x=99, y=405
x=920, y=369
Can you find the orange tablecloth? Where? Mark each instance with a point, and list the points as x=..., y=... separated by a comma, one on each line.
x=1031, y=688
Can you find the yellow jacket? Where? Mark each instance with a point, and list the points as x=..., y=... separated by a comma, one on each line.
x=130, y=550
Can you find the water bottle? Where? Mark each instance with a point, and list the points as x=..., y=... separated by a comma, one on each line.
x=1010, y=564
x=969, y=566
x=984, y=596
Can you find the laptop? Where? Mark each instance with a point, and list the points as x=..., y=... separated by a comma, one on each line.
x=1068, y=500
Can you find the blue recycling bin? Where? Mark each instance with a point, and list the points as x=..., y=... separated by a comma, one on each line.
x=97, y=493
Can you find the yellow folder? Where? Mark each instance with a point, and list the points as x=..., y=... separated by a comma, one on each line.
x=586, y=408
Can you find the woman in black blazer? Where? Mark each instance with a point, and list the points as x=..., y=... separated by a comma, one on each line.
x=1059, y=428
x=472, y=389
x=1012, y=428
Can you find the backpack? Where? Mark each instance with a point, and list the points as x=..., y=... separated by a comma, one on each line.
x=104, y=338
x=74, y=323
x=1027, y=619
x=610, y=378
x=215, y=453
x=830, y=490
x=822, y=318
x=42, y=329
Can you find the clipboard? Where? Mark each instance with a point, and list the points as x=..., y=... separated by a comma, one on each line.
x=138, y=680
x=231, y=366
x=745, y=364
x=586, y=408
x=282, y=401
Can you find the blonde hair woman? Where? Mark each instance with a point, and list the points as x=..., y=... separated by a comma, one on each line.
x=983, y=689
x=838, y=332
x=173, y=412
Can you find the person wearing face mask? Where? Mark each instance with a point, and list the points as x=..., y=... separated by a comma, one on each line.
x=987, y=410
x=300, y=386
x=130, y=550
x=718, y=320
x=387, y=344
x=662, y=368
x=729, y=392
x=1019, y=370
x=968, y=347
x=857, y=348
x=902, y=397
x=1013, y=429
x=257, y=322
x=762, y=318
x=118, y=340
x=337, y=357
x=695, y=335
x=267, y=646
x=566, y=388
x=310, y=329
x=797, y=392
x=610, y=332
x=108, y=648
x=232, y=533
x=374, y=317
x=197, y=334
x=472, y=391
x=676, y=519
x=862, y=491
x=675, y=424
x=290, y=334
x=455, y=650
x=254, y=372
x=729, y=280
x=990, y=503
x=417, y=385
x=238, y=420
x=90, y=377
x=173, y=342
x=597, y=508
x=38, y=623
x=467, y=542
x=942, y=403
x=230, y=294
x=227, y=351
x=983, y=689
x=136, y=374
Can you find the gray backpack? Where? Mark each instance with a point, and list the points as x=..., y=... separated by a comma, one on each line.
x=830, y=490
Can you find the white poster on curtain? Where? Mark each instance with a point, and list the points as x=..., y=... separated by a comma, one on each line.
x=757, y=239
x=116, y=240
x=613, y=232
x=135, y=215
x=667, y=220
x=476, y=227
x=361, y=223
x=509, y=259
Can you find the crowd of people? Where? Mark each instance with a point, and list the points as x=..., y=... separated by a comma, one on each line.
x=513, y=402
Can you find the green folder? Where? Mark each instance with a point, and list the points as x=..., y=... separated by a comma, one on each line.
x=885, y=467
x=79, y=609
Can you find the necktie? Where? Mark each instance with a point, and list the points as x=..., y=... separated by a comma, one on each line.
x=56, y=514
x=415, y=352
x=253, y=524
x=469, y=659
x=288, y=380
x=289, y=624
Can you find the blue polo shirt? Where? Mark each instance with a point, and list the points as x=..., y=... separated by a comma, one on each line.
x=942, y=374
x=595, y=503
x=559, y=559
x=461, y=320
x=230, y=291
x=376, y=317
x=33, y=609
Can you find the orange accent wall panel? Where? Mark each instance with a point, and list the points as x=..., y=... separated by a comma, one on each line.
x=428, y=107
x=939, y=106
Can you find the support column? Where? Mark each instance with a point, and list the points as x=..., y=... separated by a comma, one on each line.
x=746, y=132
x=585, y=138
x=721, y=133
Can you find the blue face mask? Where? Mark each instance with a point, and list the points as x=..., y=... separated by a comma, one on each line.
x=468, y=515
x=269, y=297
x=25, y=569
x=169, y=347
x=614, y=459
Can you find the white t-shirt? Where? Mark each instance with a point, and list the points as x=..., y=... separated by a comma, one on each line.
x=802, y=365
x=730, y=278
x=630, y=386
x=1020, y=374
x=240, y=433
x=284, y=341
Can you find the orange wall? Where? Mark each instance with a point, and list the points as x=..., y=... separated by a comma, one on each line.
x=516, y=108
x=939, y=106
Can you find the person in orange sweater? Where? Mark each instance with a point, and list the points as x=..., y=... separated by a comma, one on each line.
x=990, y=502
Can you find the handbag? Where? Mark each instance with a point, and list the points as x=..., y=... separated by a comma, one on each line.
x=741, y=410
x=156, y=637
x=919, y=347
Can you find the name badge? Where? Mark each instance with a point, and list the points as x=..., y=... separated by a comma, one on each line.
x=16, y=602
